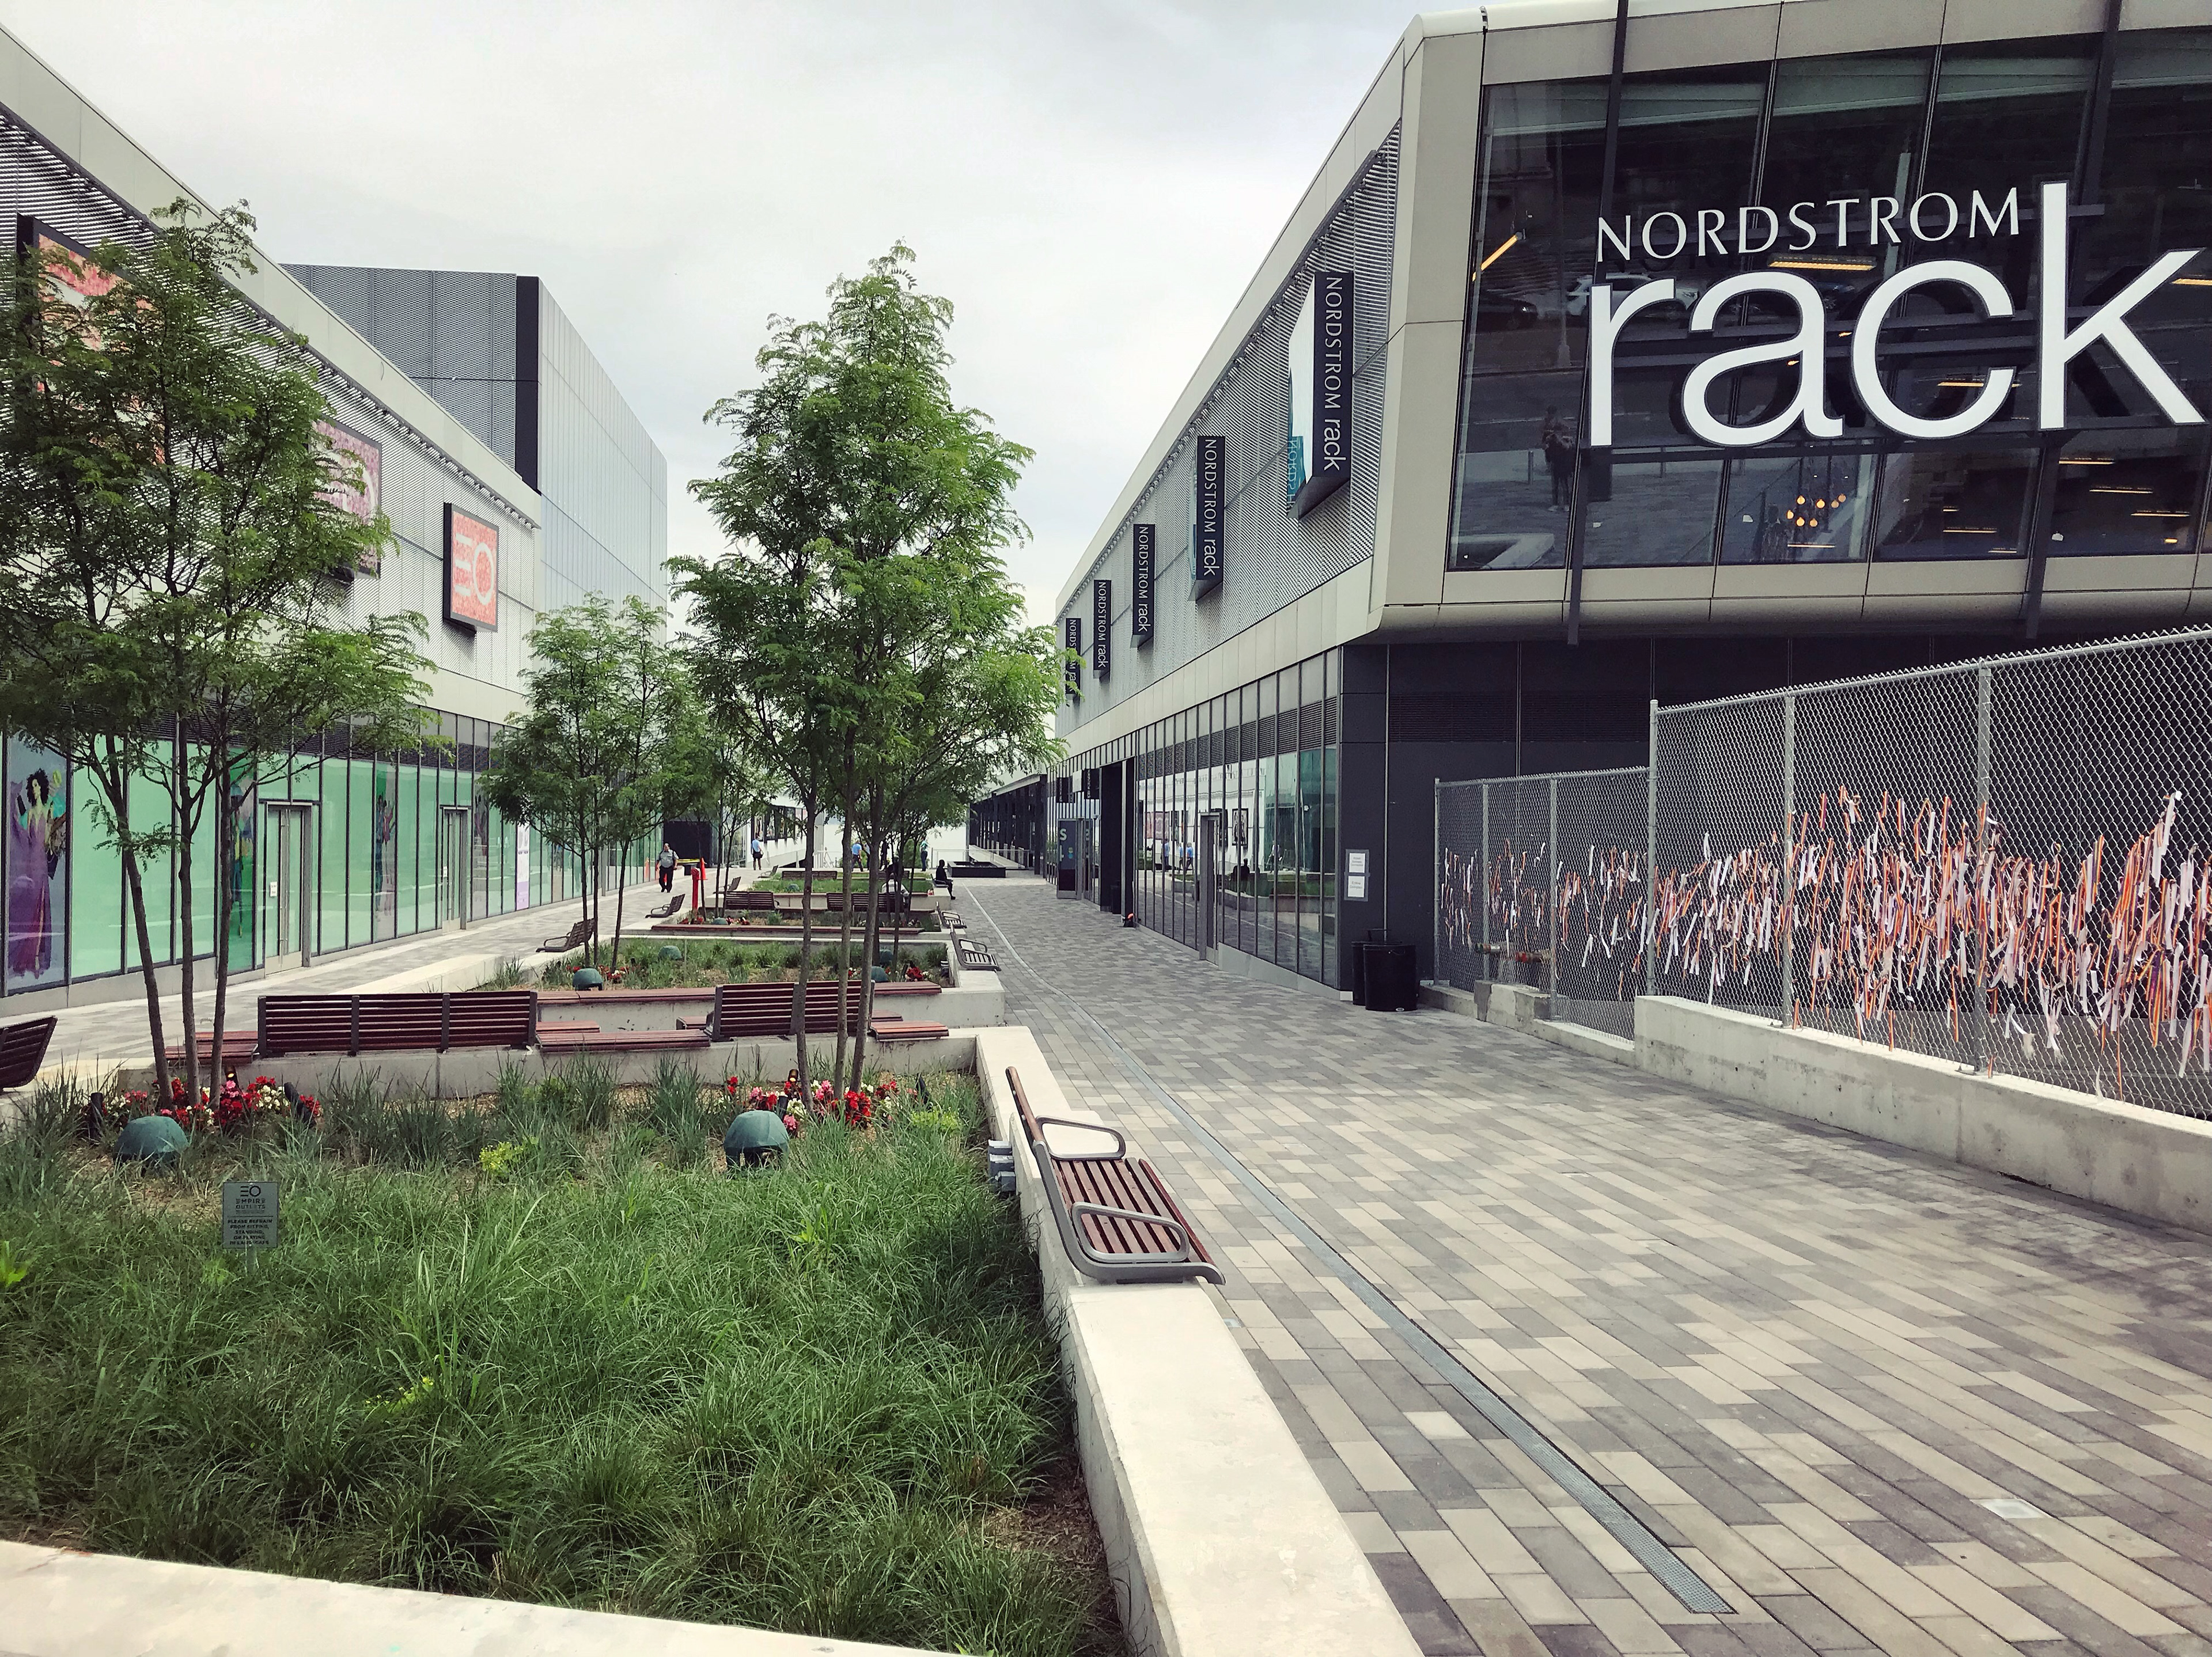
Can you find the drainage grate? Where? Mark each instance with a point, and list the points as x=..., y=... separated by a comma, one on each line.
x=1648, y=1551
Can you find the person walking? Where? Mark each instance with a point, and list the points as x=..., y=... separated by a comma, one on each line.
x=667, y=865
x=1558, y=441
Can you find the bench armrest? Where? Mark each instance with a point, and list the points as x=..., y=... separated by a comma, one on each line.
x=1121, y=1145
x=1077, y=1211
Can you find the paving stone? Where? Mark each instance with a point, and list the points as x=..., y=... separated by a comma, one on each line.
x=1804, y=1358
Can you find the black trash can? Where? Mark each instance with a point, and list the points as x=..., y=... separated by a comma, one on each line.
x=1390, y=977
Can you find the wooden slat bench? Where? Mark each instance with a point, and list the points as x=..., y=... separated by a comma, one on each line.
x=356, y=1025
x=908, y=987
x=582, y=930
x=764, y=1009
x=905, y=1029
x=23, y=1049
x=734, y=898
x=239, y=1047
x=1116, y=1219
x=547, y=1027
x=555, y=1040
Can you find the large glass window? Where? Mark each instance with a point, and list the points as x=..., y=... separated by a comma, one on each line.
x=1528, y=320
x=1953, y=503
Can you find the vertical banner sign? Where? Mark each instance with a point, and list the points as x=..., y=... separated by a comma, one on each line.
x=1142, y=543
x=1102, y=628
x=471, y=571
x=1072, y=634
x=1319, y=365
x=1206, y=505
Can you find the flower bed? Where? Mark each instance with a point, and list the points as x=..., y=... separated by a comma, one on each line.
x=541, y=1345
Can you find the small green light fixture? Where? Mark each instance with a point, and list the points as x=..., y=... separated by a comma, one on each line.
x=153, y=1140
x=587, y=978
x=755, y=1138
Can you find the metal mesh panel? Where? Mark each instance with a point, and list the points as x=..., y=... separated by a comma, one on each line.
x=1716, y=904
x=1598, y=968
x=1270, y=557
x=2007, y=863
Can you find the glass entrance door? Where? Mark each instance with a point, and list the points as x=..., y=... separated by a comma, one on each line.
x=290, y=901
x=453, y=865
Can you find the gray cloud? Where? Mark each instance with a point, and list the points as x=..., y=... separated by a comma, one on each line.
x=1092, y=186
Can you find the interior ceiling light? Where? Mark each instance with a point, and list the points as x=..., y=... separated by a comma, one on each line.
x=2118, y=489
x=1820, y=264
x=2085, y=460
x=1496, y=253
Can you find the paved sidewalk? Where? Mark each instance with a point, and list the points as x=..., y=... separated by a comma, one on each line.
x=116, y=1032
x=1829, y=1372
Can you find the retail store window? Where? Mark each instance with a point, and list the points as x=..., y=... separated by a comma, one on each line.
x=1953, y=503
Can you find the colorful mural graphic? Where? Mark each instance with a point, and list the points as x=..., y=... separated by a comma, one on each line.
x=37, y=867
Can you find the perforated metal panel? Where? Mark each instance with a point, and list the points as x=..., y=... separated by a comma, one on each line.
x=1270, y=557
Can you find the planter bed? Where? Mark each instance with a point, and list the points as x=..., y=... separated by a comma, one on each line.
x=717, y=958
x=540, y=1346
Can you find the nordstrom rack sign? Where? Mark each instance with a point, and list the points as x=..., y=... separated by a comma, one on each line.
x=1875, y=223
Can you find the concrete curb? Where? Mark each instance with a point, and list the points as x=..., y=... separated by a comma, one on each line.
x=2149, y=1162
x=1221, y=1539
x=1520, y=1007
x=62, y=1604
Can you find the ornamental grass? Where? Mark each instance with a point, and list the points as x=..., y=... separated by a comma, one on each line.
x=541, y=1346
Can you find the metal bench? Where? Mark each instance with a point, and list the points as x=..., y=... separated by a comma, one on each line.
x=764, y=1009
x=582, y=930
x=354, y=1024
x=23, y=1049
x=1117, y=1219
x=973, y=957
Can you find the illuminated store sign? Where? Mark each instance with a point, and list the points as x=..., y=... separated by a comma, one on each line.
x=471, y=571
x=1072, y=632
x=1101, y=628
x=1142, y=544
x=1205, y=499
x=1885, y=222
x=1319, y=365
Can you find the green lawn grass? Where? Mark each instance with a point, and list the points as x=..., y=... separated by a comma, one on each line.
x=607, y=1375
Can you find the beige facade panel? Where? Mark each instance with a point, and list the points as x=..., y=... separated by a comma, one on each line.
x=1414, y=500
x=1948, y=578
x=1436, y=181
x=1738, y=34
x=1548, y=54
x=1813, y=583
x=2001, y=20
x=1820, y=29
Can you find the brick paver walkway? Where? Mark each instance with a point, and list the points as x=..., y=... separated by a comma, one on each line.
x=1880, y=1403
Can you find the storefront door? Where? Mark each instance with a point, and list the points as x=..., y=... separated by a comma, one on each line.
x=290, y=901
x=453, y=865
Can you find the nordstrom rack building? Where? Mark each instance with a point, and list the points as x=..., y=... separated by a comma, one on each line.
x=1668, y=350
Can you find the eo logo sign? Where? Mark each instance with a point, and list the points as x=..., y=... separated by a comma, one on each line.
x=1931, y=218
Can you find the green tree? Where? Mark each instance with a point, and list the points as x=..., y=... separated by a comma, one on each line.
x=169, y=532
x=850, y=453
x=589, y=763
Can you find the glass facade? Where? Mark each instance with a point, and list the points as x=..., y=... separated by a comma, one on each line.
x=1248, y=779
x=367, y=834
x=1711, y=162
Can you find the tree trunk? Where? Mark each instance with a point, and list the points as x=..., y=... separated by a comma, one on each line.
x=115, y=781
x=868, y=980
x=844, y=935
x=181, y=825
x=805, y=949
x=226, y=905
x=622, y=872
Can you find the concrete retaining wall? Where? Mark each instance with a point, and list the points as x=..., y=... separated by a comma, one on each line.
x=2150, y=1162
x=59, y=1604
x=1520, y=1007
x=1222, y=1541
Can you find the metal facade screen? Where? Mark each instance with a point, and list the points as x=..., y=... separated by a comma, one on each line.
x=1143, y=551
x=1102, y=628
x=471, y=571
x=1320, y=446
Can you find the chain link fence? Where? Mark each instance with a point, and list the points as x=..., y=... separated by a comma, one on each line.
x=1541, y=883
x=2005, y=862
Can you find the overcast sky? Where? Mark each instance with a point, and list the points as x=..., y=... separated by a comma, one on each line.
x=1091, y=184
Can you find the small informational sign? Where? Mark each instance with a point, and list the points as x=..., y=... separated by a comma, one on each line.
x=249, y=1213
x=1355, y=863
x=1355, y=887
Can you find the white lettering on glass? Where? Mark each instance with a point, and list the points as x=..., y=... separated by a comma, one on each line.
x=1605, y=325
x=1810, y=405
x=2056, y=347
x=1866, y=372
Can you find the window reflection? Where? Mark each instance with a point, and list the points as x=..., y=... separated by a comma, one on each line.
x=2129, y=491
x=1953, y=503
x=1808, y=507
x=1656, y=512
